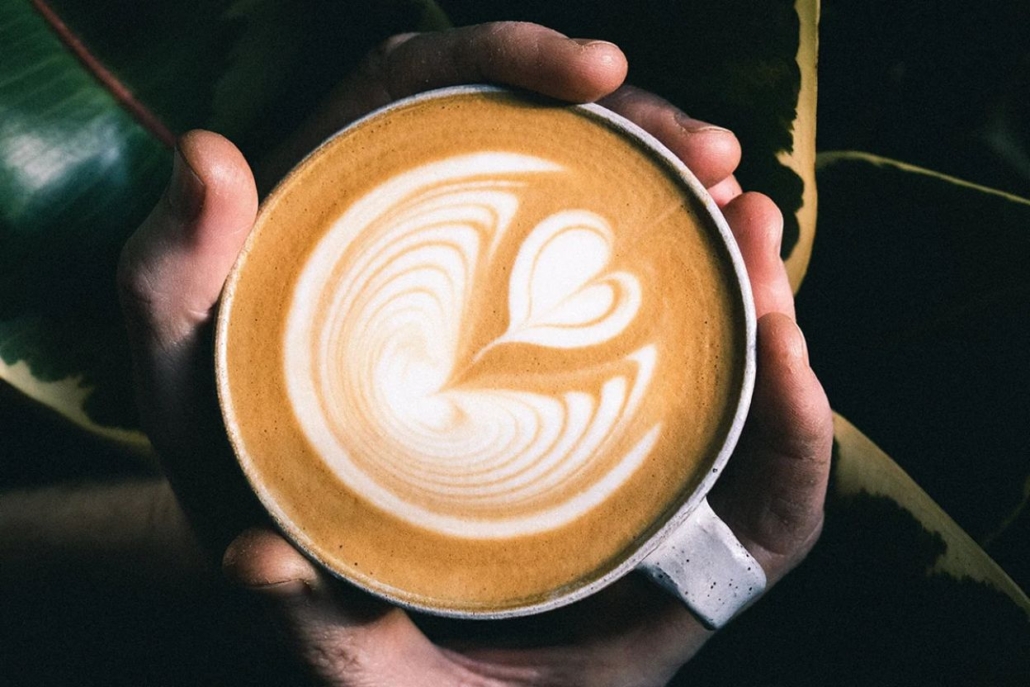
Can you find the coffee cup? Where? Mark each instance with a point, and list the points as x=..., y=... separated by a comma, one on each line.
x=484, y=354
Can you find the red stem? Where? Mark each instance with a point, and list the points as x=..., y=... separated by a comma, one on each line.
x=109, y=81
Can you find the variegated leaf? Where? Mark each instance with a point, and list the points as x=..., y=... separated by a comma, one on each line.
x=894, y=593
x=92, y=96
x=916, y=308
x=64, y=140
x=863, y=470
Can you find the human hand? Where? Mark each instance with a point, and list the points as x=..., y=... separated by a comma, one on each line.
x=172, y=272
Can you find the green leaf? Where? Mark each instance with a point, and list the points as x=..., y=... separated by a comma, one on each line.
x=91, y=98
x=863, y=469
x=915, y=309
x=76, y=173
x=749, y=66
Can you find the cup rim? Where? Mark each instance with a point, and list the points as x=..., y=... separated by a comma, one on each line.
x=632, y=561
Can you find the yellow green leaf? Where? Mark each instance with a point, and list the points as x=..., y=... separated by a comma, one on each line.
x=915, y=308
x=894, y=593
x=68, y=397
x=801, y=155
x=862, y=468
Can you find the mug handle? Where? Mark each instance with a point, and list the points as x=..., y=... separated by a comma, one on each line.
x=702, y=563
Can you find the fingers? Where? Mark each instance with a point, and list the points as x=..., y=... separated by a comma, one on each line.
x=773, y=490
x=542, y=60
x=261, y=560
x=170, y=275
x=513, y=53
x=346, y=637
x=757, y=225
x=709, y=151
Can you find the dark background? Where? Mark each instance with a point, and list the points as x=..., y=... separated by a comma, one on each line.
x=940, y=84
x=943, y=85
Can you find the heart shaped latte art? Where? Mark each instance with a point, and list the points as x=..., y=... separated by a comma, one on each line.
x=374, y=353
x=557, y=295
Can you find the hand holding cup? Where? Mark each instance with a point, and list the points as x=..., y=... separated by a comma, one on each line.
x=172, y=273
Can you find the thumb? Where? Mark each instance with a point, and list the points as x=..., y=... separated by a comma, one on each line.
x=170, y=276
x=172, y=268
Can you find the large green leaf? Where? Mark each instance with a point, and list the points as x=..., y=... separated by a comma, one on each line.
x=64, y=143
x=749, y=66
x=916, y=310
x=91, y=97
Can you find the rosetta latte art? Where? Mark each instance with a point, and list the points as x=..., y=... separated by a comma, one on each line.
x=374, y=336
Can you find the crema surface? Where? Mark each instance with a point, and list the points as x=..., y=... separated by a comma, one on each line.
x=478, y=349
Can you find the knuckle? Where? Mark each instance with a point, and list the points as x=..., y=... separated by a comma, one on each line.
x=378, y=60
x=797, y=525
x=815, y=422
x=761, y=203
x=501, y=29
x=389, y=45
x=496, y=41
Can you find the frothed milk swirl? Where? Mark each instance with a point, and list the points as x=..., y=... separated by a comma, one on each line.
x=474, y=340
x=376, y=328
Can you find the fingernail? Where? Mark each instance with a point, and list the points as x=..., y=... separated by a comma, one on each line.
x=594, y=43
x=696, y=126
x=185, y=190
x=802, y=353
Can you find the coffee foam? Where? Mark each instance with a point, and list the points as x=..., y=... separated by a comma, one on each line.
x=374, y=333
x=527, y=362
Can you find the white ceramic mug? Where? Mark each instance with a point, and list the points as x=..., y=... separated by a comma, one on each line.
x=693, y=554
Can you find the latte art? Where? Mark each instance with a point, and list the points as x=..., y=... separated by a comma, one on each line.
x=374, y=342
